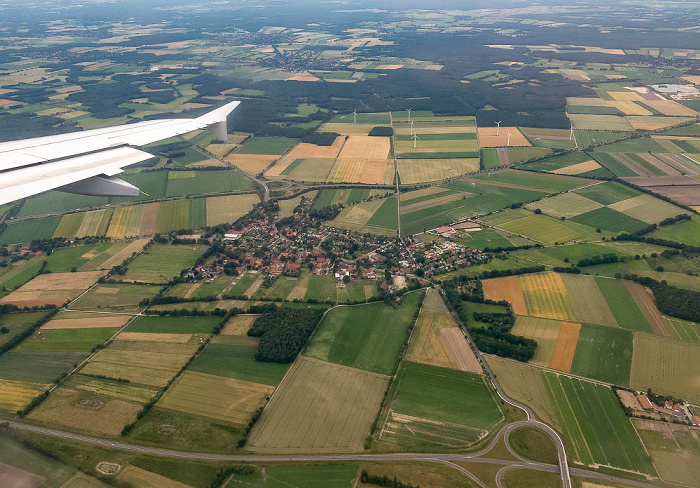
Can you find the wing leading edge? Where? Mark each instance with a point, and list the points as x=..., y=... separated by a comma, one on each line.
x=86, y=162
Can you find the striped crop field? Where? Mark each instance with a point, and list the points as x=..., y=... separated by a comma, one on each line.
x=545, y=296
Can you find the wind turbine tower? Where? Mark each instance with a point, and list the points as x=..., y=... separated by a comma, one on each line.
x=354, y=116
x=498, y=127
x=409, y=114
x=508, y=144
x=572, y=137
x=412, y=131
x=415, y=139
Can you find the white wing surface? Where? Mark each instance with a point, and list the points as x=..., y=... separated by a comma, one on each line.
x=86, y=162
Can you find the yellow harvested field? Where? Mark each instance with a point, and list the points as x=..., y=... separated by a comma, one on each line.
x=94, y=223
x=347, y=129
x=432, y=129
x=577, y=169
x=628, y=107
x=627, y=96
x=671, y=107
x=646, y=208
x=414, y=171
x=229, y=208
x=126, y=222
x=488, y=137
x=154, y=337
x=524, y=383
x=93, y=322
x=239, y=324
x=14, y=395
x=427, y=344
x=545, y=296
x=150, y=219
x=303, y=77
x=423, y=192
x=217, y=397
x=52, y=288
x=506, y=288
x=120, y=256
x=304, y=150
x=252, y=164
x=86, y=413
x=133, y=476
x=461, y=351
x=653, y=122
x=366, y=147
x=360, y=170
x=565, y=348
x=587, y=102
x=694, y=79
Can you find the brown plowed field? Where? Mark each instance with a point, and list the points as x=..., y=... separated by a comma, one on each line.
x=566, y=347
x=150, y=217
x=632, y=164
x=506, y=288
x=460, y=350
x=657, y=163
x=679, y=163
x=87, y=323
x=503, y=159
x=52, y=288
x=154, y=337
x=687, y=195
x=431, y=203
x=646, y=304
x=555, y=135
x=646, y=181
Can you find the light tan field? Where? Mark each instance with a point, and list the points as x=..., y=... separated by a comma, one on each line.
x=13, y=477
x=461, y=351
x=563, y=355
x=544, y=331
x=95, y=321
x=14, y=395
x=652, y=122
x=488, y=137
x=670, y=107
x=524, y=383
x=252, y=164
x=646, y=208
x=360, y=170
x=414, y=171
x=229, y=208
x=126, y=221
x=217, y=397
x=304, y=150
x=366, y=147
x=299, y=290
x=587, y=300
x=628, y=107
x=347, y=128
x=355, y=217
x=587, y=102
x=319, y=407
x=120, y=256
x=644, y=301
x=52, y=288
x=413, y=207
x=433, y=129
x=150, y=218
x=506, y=288
x=254, y=287
x=627, y=96
x=154, y=337
x=239, y=324
x=133, y=476
x=73, y=409
x=427, y=345
x=577, y=169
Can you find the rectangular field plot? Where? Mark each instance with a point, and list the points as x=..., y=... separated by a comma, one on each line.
x=148, y=363
x=600, y=122
x=126, y=221
x=675, y=450
x=564, y=205
x=76, y=340
x=534, y=181
x=498, y=137
x=14, y=395
x=545, y=296
x=238, y=362
x=507, y=288
x=588, y=302
x=667, y=366
x=368, y=336
x=319, y=407
x=685, y=331
x=29, y=230
x=434, y=342
x=173, y=325
x=607, y=219
x=540, y=228
x=413, y=171
x=16, y=323
x=647, y=209
x=595, y=428
x=115, y=297
x=208, y=182
x=161, y=262
x=229, y=208
x=544, y=331
x=604, y=354
x=216, y=397
x=37, y=366
x=622, y=305
x=436, y=406
x=53, y=288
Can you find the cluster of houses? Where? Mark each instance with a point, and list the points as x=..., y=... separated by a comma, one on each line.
x=671, y=410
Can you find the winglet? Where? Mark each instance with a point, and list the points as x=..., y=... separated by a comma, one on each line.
x=216, y=119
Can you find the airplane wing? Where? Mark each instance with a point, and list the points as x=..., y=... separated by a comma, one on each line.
x=86, y=162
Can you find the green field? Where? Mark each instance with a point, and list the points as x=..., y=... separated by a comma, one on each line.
x=538, y=181
x=37, y=366
x=115, y=297
x=67, y=340
x=321, y=287
x=238, y=362
x=267, y=145
x=208, y=182
x=595, y=428
x=58, y=202
x=386, y=216
x=16, y=323
x=173, y=215
x=243, y=284
x=622, y=305
x=173, y=325
x=368, y=336
x=29, y=230
x=64, y=259
x=56, y=474
x=19, y=273
x=608, y=219
x=198, y=213
x=541, y=228
x=604, y=353
x=608, y=192
x=162, y=262
x=557, y=162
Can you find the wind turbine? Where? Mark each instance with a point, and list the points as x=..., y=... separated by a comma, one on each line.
x=354, y=116
x=412, y=128
x=409, y=114
x=508, y=144
x=498, y=127
x=415, y=139
x=571, y=133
